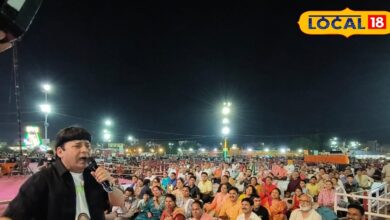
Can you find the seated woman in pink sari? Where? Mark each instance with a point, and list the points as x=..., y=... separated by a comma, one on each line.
x=220, y=198
x=276, y=206
x=326, y=196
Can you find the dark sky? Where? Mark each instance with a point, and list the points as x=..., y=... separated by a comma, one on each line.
x=163, y=70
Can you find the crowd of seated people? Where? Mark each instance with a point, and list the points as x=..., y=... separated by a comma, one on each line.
x=226, y=191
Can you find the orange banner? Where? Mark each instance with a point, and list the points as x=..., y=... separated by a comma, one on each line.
x=337, y=159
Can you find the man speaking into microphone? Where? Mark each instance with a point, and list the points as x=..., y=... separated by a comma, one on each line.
x=68, y=189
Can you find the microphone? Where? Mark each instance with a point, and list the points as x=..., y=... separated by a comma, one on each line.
x=92, y=165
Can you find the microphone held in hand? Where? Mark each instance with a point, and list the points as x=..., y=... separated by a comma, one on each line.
x=92, y=165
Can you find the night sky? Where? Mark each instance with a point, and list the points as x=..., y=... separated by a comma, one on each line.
x=162, y=71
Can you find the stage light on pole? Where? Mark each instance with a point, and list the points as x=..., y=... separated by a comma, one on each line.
x=108, y=122
x=225, y=130
x=225, y=121
x=225, y=110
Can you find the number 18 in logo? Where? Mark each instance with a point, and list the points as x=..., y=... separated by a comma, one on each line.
x=376, y=21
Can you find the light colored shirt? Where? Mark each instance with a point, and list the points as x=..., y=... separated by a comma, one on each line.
x=253, y=216
x=297, y=215
x=205, y=187
x=81, y=201
x=364, y=181
x=386, y=170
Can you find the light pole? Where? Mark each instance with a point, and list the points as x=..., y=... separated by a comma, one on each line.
x=225, y=129
x=46, y=108
x=107, y=136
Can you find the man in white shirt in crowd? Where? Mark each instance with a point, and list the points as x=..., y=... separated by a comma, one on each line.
x=363, y=180
x=386, y=172
x=247, y=210
x=305, y=211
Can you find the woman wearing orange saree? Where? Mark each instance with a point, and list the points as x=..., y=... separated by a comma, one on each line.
x=276, y=207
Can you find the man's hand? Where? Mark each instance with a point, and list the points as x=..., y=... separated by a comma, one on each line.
x=4, y=46
x=101, y=175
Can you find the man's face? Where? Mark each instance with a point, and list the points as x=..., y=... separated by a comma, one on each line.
x=173, y=176
x=224, y=179
x=350, y=180
x=74, y=155
x=248, y=172
x=149, y=173
x=233, y=195
x=305, y=203
x=354, y=214
x=246, y=207
x=186, y=192
x=295, y=175
x=204, y=177
x=196, y=210
x=191, y=181
x=256, y=202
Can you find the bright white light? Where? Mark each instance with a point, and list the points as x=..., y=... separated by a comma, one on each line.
x=283, y=150
x=152, y=150
x=225, y=110
x=32, y=129
x=108, y=122
x=202, y=149
x=215, y=149
x=130, y=138
x=234, y=147
x=140, y=150
x=250, y=149
x=106, y=136
x=225, y=121
x=161, y=150
x=46, y=87
x=179, y=149
x=266, y=149
x=191, y=149
x=105, y=131
x=229, y=104
x=300, y=150
x=335, y=138
x=225, y=130
x=45, y=108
